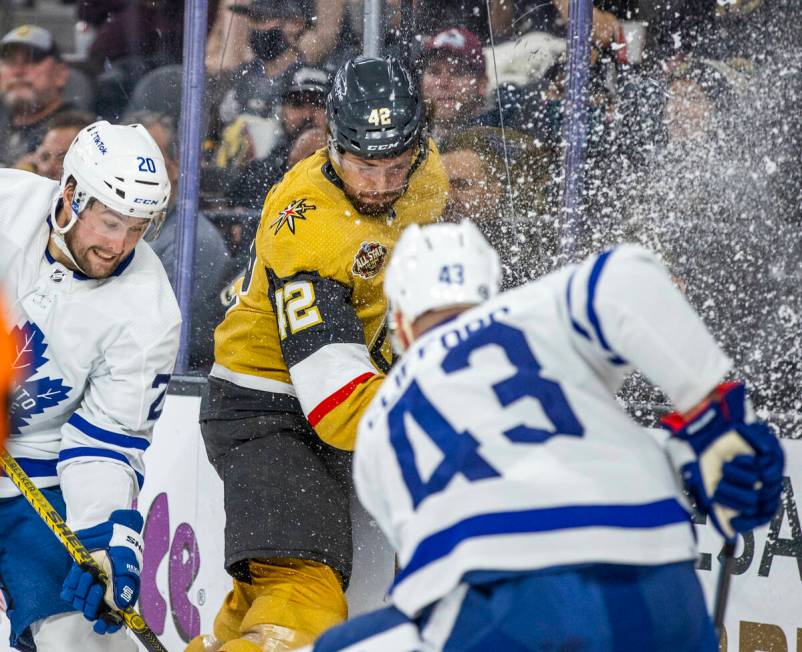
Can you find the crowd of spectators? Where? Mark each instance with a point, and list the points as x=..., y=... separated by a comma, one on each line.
x=676, y=89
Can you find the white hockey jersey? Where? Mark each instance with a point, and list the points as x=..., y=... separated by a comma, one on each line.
x=97, y=359
x=497, y=444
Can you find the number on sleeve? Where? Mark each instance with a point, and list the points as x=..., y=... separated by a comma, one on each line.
x=246, y=281
x=295, y=307
x=156, y=407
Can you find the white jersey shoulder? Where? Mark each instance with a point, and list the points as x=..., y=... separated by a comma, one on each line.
x=97, y=353
x=497, y=444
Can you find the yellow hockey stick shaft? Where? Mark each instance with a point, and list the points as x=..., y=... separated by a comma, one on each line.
x=75, y=548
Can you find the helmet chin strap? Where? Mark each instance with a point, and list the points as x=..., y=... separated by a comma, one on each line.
x=57, y=234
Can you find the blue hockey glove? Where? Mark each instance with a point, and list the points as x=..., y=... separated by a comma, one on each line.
x=116, y=546
x=735, y=476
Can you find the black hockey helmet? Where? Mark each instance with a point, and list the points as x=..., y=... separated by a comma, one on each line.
x=374, y=108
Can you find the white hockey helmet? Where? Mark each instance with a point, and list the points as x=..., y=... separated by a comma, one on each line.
x=440, y=266
x=120, y=166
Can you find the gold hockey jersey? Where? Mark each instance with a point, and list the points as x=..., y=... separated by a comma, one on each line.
x=308, y=322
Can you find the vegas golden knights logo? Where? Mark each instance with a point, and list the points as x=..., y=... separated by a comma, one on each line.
x=296, y=210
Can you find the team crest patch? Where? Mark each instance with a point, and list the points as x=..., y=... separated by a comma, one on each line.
x=369, y=259
x=35, y=392
x=296, y=210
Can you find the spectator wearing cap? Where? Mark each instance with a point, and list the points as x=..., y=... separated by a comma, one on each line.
x=303, y=106
x=227, y=45
x=700, y=91
x=304, y=103
x=249, y=109
x=32, y=81
x=454, y=82
x=275, y=27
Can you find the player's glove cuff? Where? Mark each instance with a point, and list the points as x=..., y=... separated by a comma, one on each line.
x=737, y=471
x=116, y=546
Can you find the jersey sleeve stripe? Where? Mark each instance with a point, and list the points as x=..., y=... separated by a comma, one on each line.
x=325, y=372
x=251, y=382
x=574, y=323
x=107, y=436
x=440, y=544
x=387, y=629
x=335, y=399
x=593, y=317
x=36, y=468
x=86, y=451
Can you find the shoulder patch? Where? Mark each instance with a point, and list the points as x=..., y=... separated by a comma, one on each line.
x=369, y=259
x=296, y=210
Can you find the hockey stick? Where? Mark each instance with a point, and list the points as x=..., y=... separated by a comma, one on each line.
x=723, y=587
x=77, y=551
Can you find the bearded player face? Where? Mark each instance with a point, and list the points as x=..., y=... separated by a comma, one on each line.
x=373, y=186
x=102, y=238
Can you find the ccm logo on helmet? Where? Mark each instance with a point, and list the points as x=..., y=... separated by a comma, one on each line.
x=147, y=202
x=379, y=148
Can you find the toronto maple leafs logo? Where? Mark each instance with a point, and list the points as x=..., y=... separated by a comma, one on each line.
x=32, y=396
x=295, y=211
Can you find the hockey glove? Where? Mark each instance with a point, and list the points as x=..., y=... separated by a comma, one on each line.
x=117, y=548
x=735, y=472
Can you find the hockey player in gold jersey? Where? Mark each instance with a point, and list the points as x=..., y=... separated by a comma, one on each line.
x=301, y=353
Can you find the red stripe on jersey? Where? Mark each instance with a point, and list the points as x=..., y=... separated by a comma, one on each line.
x=333, y=400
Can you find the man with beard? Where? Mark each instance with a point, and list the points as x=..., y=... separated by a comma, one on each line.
x=32, y=81
x=99, y=325
x=301, y=354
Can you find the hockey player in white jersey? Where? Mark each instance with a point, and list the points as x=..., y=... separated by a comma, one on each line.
x=527, y=510
x=100, y=324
